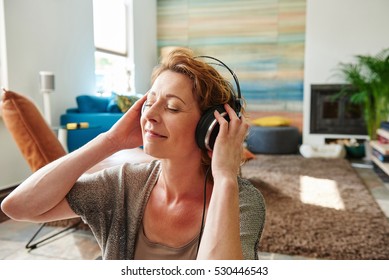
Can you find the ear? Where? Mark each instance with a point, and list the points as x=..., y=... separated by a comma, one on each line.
x=210, y=153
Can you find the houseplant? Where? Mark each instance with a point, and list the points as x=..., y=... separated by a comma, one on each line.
x=369, y=76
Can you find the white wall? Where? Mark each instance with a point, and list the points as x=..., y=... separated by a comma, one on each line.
x=143, y=45
x=58, y=36
x=336, y=30
x=52, y=36
x=3, y=52
x=45, y=35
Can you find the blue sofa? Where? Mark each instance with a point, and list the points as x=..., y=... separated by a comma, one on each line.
x=98, y=123
x=99, y=112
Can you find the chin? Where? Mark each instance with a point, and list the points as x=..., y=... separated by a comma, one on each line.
x=155, y=152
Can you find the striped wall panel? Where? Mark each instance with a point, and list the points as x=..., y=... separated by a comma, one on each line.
x=261, y=40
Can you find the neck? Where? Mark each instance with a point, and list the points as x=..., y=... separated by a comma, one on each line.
x=182, y=178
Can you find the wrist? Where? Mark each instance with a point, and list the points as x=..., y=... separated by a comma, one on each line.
x=225, y=180
x=103, y=144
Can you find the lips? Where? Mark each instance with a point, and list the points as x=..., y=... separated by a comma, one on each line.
x=152, y=133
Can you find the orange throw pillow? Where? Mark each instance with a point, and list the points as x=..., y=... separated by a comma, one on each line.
x=35, y=139
x=247, y=155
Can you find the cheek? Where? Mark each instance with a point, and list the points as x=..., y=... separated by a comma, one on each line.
x=186, y=130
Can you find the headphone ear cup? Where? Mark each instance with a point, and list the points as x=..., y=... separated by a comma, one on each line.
x=208, y=128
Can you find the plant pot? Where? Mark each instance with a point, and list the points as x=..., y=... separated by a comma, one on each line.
x=357, y=151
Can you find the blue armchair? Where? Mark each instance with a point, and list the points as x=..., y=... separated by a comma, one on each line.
x=98, y=123
x=99, y=112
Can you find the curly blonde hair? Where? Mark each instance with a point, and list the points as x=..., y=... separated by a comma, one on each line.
x=210, y=88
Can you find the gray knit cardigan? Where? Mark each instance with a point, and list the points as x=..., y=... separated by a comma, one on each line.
x=112, y=203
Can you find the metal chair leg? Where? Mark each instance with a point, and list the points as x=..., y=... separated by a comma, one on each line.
x=35, y=245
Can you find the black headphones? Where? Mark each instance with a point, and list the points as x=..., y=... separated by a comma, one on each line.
x=208, y=127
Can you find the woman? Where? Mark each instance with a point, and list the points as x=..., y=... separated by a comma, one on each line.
x=157, y=210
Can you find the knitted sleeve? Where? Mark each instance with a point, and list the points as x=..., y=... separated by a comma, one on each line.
x=110, y=202
x=252, y=218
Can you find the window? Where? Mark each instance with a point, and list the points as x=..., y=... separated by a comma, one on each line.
x=110, y=38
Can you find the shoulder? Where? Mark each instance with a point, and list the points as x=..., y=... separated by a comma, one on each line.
x=248, y=191
x=252, y=217
x=117, y=178
x=141, y=173
x=251, y=201
x=139, y=176
x=140, y=169
x=122, y=171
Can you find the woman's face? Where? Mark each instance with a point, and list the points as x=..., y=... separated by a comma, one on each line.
x=170, y=117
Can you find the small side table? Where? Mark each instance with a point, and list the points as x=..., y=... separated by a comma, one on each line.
x=62, y=134
x=63, y=138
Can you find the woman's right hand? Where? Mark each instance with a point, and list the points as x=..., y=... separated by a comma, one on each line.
x=126, y=133
x=41, y=197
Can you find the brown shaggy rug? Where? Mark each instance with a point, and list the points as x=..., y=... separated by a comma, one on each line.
x=317, y=208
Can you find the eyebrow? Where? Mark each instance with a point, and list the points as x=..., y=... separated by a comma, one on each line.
x=169, y=95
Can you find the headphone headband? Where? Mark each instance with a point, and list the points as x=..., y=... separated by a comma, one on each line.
x=229, y=70
x=208, y=127
x=221, y=63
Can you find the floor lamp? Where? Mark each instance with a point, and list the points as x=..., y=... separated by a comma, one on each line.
x=46, y=83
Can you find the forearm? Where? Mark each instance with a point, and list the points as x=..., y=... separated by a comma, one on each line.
x=221, y=236
x=48, y=186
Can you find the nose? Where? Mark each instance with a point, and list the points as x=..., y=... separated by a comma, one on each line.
x=151, y=112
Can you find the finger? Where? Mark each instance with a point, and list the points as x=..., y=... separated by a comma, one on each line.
x=231, y=112
x=138, y=104
x=220, y=119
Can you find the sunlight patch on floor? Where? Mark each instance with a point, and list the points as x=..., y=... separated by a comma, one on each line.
x=320, y=192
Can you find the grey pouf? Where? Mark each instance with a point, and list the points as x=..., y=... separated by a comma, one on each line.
x=273, y=139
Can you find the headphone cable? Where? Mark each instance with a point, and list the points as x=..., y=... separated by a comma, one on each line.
x=204, y=206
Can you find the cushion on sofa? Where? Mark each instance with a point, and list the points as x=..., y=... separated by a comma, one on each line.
x=113, y=106
x=100, y=112
x=102, y=104
x=271, y=121
x=35, y=139
x=125, y=102
x=92, y=103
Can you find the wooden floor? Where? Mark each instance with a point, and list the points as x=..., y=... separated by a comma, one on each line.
x=70, y=245
x=74, y=244
x=81, y=245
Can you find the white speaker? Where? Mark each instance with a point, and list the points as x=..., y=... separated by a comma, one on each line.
x=46, y=81
x=46, y=84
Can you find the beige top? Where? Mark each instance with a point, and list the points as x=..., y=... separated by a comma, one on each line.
x=145, y=249
x=112, y=203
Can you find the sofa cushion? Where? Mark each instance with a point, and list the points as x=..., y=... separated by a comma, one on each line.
x=125, y=102
x=92, y=103
x=35, y=139
x=271, y=121
x=113, y=106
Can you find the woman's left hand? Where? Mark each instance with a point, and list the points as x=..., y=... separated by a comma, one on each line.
x=227, y=153
x=221, y=237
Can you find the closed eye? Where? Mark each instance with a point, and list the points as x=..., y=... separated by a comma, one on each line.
x=173, y=110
